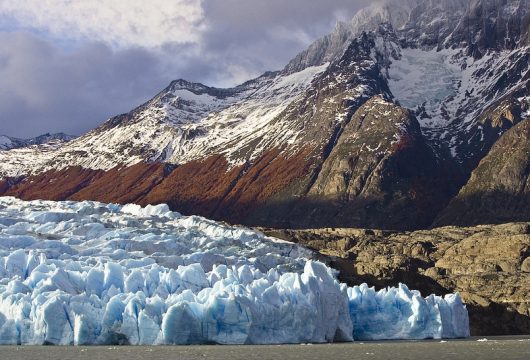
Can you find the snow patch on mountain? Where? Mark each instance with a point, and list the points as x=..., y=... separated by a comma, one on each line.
x=186, y=103
x=5, y=142
x=180, y=125
x=484, y=80
x=242, y=124
x=449, y=91
x=425, y=80
x=525, y=106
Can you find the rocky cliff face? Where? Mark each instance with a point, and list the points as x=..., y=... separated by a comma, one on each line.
x=492, y=25
x=488, y=265
x=378, y=124
x=380, y=172
x=498, y=190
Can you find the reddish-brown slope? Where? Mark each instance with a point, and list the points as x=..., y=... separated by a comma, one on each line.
x=118, y=185
x=122, y=185
x=196, y=187
x=207, y=187
x=4, y=186
x=54, y=185
x=271, y=174
x=210, y=188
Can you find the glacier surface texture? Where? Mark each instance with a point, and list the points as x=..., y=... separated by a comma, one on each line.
x=91, y=273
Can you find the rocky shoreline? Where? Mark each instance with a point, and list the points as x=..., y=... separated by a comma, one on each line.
x=489, y=265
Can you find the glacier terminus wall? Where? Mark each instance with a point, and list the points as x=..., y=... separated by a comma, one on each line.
x=78, y=273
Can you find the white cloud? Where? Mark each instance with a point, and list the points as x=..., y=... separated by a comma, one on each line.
x=122, y=23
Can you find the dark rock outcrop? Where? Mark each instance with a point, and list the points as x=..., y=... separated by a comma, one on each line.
x=492, y=25
x=380, y=173
x=498, y=190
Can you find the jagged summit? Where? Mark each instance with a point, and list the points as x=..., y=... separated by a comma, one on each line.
x=394, y=12
x=200, y=89
x=323, y=50
x=476, y=24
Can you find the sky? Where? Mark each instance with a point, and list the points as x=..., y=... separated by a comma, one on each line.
x=68, y=65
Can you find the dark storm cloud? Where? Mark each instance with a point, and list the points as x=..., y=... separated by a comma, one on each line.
x=47, y=88
x=249, y=37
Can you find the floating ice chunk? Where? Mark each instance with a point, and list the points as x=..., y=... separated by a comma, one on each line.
x=228, y=318
x=54, y=323
x=17, y=242
x=403, y=314
x=50, y=217
x=454, y=316
x=332, y=306
x=15, y=264
x=193, y=277
x=8, y=331
x=86, y=329
x=181, y=325
x=135, y=282
x=95, y=282
x=148, y=211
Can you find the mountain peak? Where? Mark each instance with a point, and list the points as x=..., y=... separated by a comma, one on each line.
x=394, y=12
x=179, y=85
x=9, y=142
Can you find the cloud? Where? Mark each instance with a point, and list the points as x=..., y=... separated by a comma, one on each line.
x=45, y=89
x=119, y=22
x=247, y=37
x=120, y=53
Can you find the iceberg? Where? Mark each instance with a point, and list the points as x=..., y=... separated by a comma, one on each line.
x=80, y=273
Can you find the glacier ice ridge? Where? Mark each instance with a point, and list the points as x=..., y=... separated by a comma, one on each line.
x=79, y=273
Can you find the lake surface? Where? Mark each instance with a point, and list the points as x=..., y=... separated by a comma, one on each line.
x=503, y=348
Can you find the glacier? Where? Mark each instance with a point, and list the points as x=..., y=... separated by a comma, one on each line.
x=79, y=273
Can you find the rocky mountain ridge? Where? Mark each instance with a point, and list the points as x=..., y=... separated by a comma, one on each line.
x=9, y=143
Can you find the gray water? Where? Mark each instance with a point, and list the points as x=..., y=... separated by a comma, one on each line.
x=502, y=348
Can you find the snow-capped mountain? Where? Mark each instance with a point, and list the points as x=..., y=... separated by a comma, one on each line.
x=8, y=142
x=378, y=124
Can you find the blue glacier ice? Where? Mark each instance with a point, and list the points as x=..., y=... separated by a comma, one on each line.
x=90, y=273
